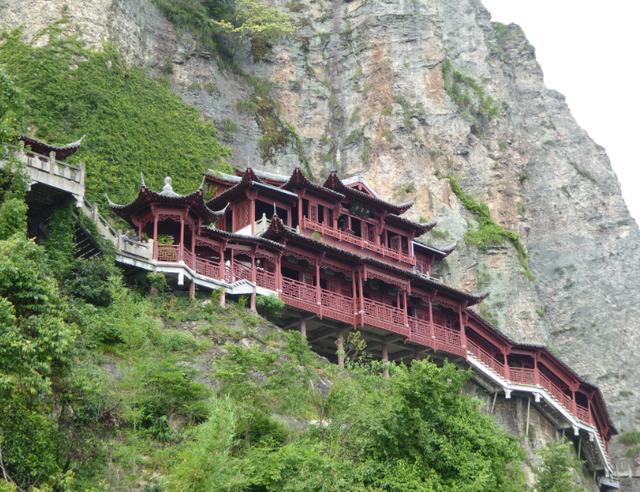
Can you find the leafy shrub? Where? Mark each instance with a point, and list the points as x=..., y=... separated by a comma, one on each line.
x=558, y=470
x=630, y=438
x=169, y=391
x=13, y=218
x=157, y=282
x=89, y=281
x=270, y=306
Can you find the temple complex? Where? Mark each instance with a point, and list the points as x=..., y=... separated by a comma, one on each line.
x=342, y=258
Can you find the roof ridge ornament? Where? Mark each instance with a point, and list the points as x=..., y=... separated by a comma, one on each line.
x=142, y=183
x=167, y=189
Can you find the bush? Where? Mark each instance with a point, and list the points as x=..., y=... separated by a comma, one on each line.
x=89, y=281
x=558, y=470
x=270, y=306
x=13, y=218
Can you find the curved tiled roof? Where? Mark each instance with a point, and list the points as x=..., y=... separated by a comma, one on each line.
x=41, y=147
x=168, y=197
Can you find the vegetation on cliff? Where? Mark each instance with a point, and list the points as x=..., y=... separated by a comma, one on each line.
x=488, y=232
x=132, y=122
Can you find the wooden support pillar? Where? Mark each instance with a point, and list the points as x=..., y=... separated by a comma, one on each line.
x=300, y=210
x=432, y=334
x=180, y=251
x=279, y=273
x=405, y=314
x=507, y=372
x=252, y=304
x=223, y=298
x=192, y=291
x=361, y=296
x=252, y=214
x=303, y=327
x=140, y=231
x=340, y=348
x=463, y=334
x=155, y=235
x=193, y=246
x=318, y=293
x=385, y=359
x=354, y=292
x=221, y=263
x=536, y=370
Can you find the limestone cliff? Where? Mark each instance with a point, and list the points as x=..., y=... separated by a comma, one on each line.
x=410, y=92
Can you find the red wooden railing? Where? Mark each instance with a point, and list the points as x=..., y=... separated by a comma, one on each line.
x=486, y=357
x=300, y=295
x=337, y=306
x=420, y=331
x=556, y=391
x=208, y=268
x=385, y=316
x=266, y=279
x=448, y=340
x=522, y=375
x=362, y=243
x=583, y=414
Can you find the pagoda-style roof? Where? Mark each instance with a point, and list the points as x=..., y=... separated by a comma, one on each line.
x=41, y=147
x=417, y=227
x=439, y=253
x=334, y=183
x=265, y=176
x=299, y=181
x=218, y=234
x=278, y=231
x=248, y=181
x=168, y=198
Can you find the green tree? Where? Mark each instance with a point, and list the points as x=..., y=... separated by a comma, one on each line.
x=35, y=351
x=559, y=469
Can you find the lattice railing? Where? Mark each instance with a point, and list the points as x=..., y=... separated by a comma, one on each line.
x=297, y=293
x=448, y=339
x=486, y=357
x=362, y=243
x=522, y=375
x=208, y=268
x=583, y=414
x=167, y=252
x=556, y=392
x=385, y=316
x=266, y=279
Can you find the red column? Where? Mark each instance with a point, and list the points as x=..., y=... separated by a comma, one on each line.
x=253, y=279
x=361, y=295
x=300, y=209
x=354, y=293
x=536, y=371
x=507, y=373
x=155, y=235
x=193, y=246
x=252, y=215
x=431, y=331
x=279, y=273
x=318, y=293
x=463, y=335
x=181, y=238
x=405, y=314
x=221, y=262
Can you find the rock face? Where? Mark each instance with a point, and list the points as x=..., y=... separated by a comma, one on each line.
x=360, y=88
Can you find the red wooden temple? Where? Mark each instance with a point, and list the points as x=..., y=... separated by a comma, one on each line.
x=342, y=258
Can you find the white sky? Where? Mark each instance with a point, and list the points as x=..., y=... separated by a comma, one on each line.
x=589, y=50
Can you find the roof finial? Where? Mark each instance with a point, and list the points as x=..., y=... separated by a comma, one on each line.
x=142, y=183
x=167, y=188
x=202, y=183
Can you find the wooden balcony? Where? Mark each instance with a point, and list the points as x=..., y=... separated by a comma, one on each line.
x=357, y=242
x=338, y=307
